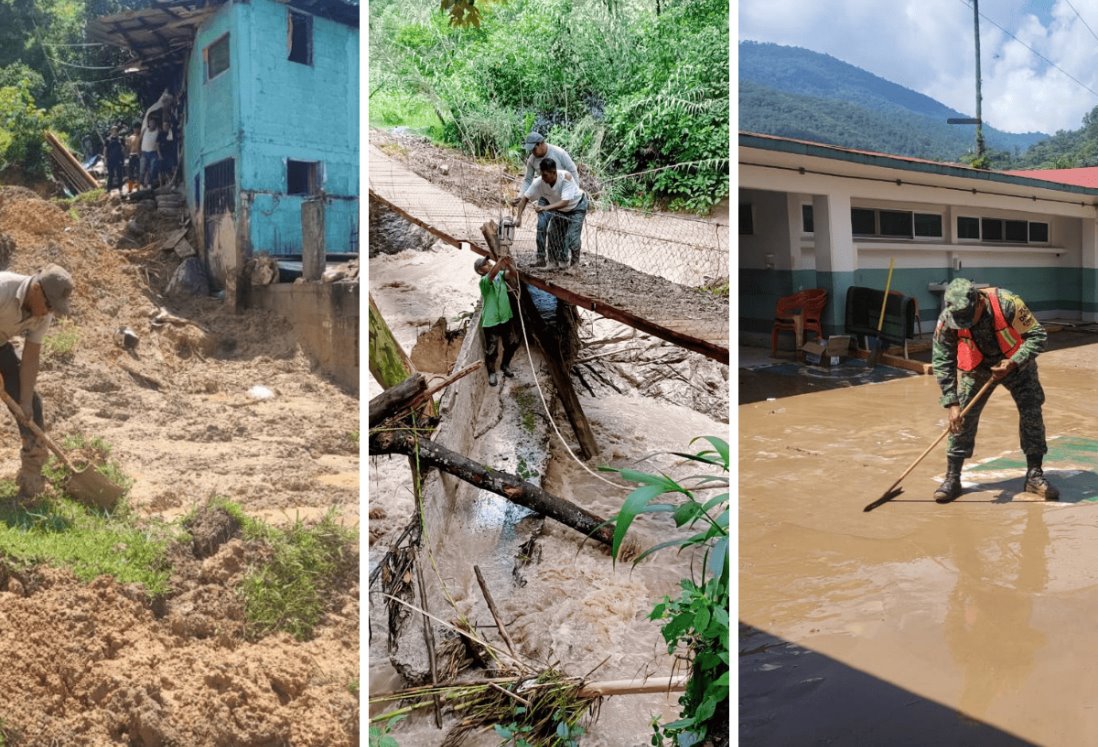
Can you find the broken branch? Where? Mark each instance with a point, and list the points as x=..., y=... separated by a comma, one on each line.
x=511, y=487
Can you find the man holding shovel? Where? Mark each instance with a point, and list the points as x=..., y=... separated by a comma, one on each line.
x=987, y=334
x=27, y=306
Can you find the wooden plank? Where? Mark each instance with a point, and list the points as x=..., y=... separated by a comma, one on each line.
x=708, y=347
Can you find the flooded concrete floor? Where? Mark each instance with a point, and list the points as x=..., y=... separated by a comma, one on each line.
x=970, y=623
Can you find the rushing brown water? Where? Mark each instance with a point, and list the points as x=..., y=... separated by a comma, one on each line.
x=969, y=623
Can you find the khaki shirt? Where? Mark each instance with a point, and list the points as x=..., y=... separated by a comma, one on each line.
x=13, y=319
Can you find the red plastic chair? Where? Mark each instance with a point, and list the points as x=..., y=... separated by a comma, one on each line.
x=803, y=310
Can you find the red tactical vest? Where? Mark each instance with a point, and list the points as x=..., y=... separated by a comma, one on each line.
x=968, y=355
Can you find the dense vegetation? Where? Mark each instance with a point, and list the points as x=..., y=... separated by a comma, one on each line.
x=794, y=92
x=637, y=92
x=50, y=77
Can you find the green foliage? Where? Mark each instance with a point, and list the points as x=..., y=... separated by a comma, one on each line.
x=60, y=344
x=22, y=124
x=63, y=533
x=93, y=450
x=696, y=624
x=288, y=593
x=379, y=735
x=622, y=89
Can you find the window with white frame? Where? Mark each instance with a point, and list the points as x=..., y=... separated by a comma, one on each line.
x=1001, y=230
x=895, y=224
x=217, y=57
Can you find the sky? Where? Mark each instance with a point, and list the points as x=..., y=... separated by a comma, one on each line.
x=928, y=46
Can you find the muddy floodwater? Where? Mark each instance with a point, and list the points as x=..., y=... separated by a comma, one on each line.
x=969, y=623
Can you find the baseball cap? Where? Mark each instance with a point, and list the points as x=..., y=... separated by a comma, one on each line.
x=56, y=283
x=961, y=298
x=531, y=140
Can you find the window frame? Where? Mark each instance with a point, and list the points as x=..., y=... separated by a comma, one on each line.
x=309, y=42
x=910, y=236
x=807, y=216
x=315, y=178
x=206, y=57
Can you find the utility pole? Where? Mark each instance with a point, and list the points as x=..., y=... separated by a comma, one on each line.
x=978, y=120
x=979, y=96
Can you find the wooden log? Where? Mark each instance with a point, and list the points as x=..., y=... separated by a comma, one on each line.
x=396, y=398
x=634, y=687
x=389, y=364
x=495, y=612
x=82, y=180
x=511, y=487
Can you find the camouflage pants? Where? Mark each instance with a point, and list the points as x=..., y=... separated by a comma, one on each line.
x=1024, y=385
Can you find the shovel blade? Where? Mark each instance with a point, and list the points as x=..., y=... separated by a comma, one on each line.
x=92, y=488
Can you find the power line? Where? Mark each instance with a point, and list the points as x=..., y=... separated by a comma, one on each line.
x=1031, y=49
x=1077, y=15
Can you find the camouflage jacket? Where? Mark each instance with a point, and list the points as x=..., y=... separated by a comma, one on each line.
x=1017, y=315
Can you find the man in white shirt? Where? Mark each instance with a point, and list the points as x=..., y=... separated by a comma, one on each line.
x=27, y=307
x=538, y=150
x=557, y=196
x=150, y=137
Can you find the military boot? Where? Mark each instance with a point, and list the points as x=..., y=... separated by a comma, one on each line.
x=1037, y=483
x=951, y=486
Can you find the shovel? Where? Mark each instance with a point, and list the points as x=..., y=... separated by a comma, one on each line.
x=86, y=485
x=875, y=345
x=894, y=490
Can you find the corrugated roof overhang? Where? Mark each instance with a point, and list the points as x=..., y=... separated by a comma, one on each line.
x=163, y=32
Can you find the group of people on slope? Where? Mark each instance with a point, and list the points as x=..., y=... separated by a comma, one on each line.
x=148, y=155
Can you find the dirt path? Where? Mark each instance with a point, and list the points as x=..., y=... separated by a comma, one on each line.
x=94, y=664
x=958, y=624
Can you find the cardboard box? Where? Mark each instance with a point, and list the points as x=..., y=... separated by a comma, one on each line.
x=828, y=352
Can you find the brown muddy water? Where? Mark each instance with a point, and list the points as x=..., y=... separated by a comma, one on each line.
x=567, y=602
x=969, y=623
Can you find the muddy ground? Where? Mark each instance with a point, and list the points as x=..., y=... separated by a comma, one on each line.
x=96, y=664
x=917, y=623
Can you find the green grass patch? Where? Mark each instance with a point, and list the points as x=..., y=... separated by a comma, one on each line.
x=60, y=344
x=288, y=592
x=394, y=109
x=527, y=403
x=84, y=198
x=62, y=533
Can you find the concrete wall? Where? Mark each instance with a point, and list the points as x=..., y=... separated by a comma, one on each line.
x=325, y=319
x=292, y=111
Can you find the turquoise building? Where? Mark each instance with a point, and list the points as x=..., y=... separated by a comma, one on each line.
x=266, y=99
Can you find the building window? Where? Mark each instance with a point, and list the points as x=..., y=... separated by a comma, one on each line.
x=807, y=223
x=302, y=177
x=217, y=57
x=863, y=222
x=999, y=229
x=928, y=225
x=968, y=228
x=747, y=220
x=895, y=224
x=300, y=35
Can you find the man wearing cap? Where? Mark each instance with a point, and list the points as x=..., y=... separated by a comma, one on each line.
x=537, y=150
x=559, y=197
x=981, y=334
x=27, y=306
x=496, y=315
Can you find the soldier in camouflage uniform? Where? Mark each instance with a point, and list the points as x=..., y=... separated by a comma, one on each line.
x=984, y=334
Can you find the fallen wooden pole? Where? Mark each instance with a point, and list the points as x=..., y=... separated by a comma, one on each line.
x=634, y=687
x=495, y=613
x=511, y=487
x=396, y=398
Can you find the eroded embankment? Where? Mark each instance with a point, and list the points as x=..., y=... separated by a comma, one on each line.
x=97, y=663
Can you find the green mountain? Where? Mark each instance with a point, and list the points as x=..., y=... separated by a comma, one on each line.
x=794, y=92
